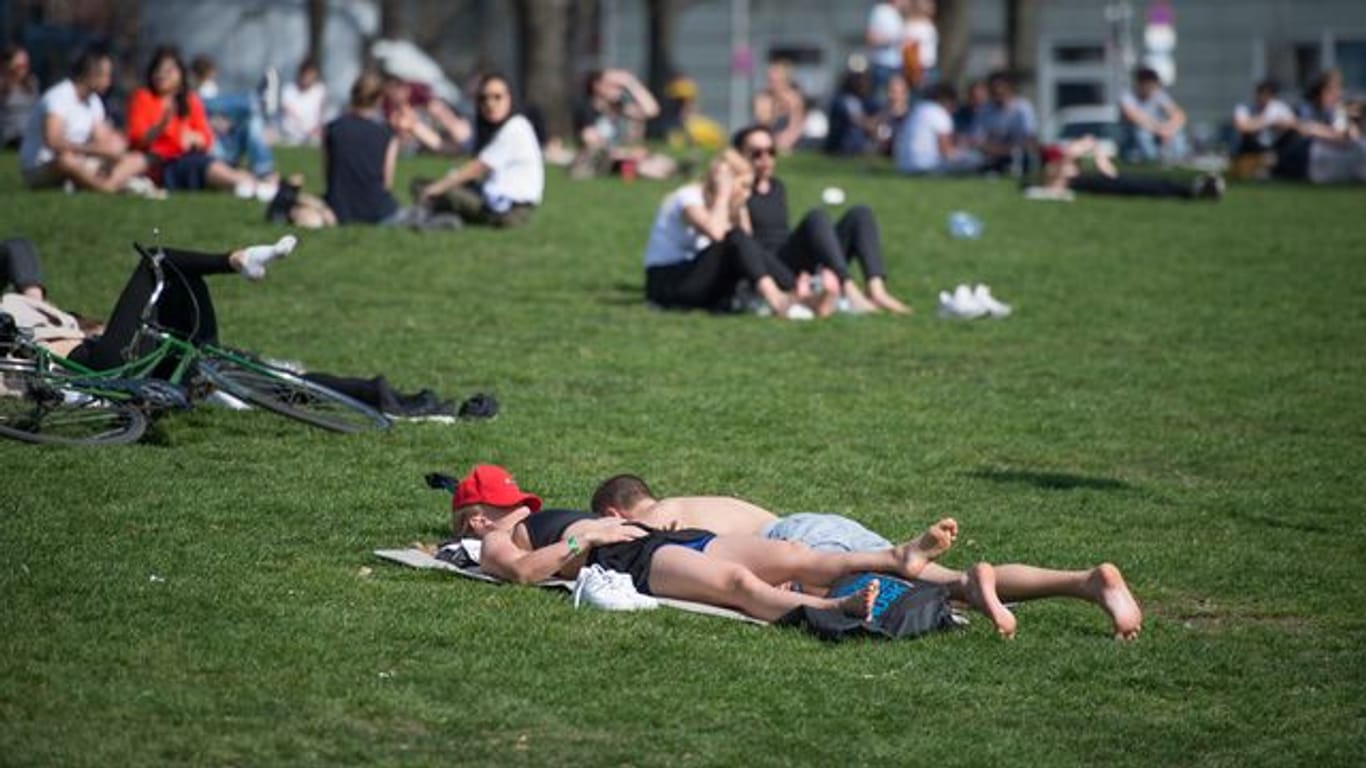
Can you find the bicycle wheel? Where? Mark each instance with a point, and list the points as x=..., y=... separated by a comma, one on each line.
x=290, y=395
x=38, y=408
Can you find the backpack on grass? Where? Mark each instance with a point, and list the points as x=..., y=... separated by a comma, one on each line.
x=904, y=609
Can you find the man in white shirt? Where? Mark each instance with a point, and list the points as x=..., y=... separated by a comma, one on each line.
x=68, y=138
x=925, y=143
x=301, y=106
x=1262, y=122
x=884, y=34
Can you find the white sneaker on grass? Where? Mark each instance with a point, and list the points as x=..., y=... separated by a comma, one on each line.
x=982, y=294
x=965, y=303
x=799, y=312
x=609, y=590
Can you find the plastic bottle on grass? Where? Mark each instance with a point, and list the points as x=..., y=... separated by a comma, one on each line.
x=965, y=226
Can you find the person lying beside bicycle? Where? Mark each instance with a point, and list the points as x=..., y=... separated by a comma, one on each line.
x=184, y=308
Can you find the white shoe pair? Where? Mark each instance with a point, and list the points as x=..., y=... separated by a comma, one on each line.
x=970, y=303
x=610, y=591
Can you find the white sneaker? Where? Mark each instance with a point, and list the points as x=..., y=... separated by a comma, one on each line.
x=265, y=191
x=993, y=307
x=609, y=590
x=965, y=301
x=799, y=312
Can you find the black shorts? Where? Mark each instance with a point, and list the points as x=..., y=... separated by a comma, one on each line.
x=634, y=557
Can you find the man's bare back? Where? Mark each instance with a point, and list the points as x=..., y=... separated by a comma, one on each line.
x=724, y=515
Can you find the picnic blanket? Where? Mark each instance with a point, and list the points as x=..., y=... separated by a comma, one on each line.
x=463, y=560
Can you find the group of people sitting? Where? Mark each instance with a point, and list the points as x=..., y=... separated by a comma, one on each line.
x=727, y=552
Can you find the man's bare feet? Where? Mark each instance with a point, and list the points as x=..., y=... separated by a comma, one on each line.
x=920, y=551
x=860, y=604
x=1110, y=592
x=981, y=593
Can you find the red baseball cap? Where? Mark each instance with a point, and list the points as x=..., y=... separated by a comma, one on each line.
x=1051, y=153
x=491, y=484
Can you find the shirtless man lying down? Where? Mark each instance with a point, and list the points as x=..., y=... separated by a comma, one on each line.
x=983, y=586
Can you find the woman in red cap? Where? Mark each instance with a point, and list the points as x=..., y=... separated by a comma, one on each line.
x=524, y=544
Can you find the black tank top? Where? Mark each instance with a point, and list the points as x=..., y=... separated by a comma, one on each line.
x=768, y=216
x=547, y=526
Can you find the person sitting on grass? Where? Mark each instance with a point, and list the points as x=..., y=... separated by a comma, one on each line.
x=184, y=308
x=68, y=140
x=1152, y=123
x=167, y=120
x=522, y=543
x=700, y=247
x=982, y=586
x=1062, y=176
x=505, y=181
x=817, y=245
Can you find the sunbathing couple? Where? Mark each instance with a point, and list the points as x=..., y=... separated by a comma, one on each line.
x=728, y=552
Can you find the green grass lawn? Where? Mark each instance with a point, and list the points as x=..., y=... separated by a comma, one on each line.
x=1180, y=391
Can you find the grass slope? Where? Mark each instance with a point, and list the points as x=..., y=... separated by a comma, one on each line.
x=1179, y=391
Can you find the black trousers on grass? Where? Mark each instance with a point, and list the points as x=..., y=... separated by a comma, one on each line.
x=817, y=242
x=184, y=307
x=1130, y=186
x=19, y=264
x=708, y=281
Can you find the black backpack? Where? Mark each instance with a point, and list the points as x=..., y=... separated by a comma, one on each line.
x=904, y=609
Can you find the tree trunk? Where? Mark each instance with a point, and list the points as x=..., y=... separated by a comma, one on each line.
x=954, y=22
x=317, y=25
x=661, y=19
x=543, y=36
x=1021, y=37
x=390, y=19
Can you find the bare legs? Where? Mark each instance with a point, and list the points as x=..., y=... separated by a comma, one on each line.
x=985, y=587
x=90, y=172
x=685, y=574
x=778, y=562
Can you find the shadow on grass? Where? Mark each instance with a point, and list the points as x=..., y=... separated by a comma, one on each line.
x=1049, y=481
x=625, y=293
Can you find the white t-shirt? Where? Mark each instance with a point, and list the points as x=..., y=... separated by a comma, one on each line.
x=303, y=111
x=926, y=37
x=917, y=149
x=79, y=119
x=1276, y=111
x=672, y=239
x=516, y=172
x=885, y=23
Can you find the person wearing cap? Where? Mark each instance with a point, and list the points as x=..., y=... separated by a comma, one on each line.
x=817, y=245
x=983, y=586
x=524, y=543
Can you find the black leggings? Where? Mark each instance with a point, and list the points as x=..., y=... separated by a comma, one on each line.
x=1130, y=186
x=19, y=265
x=816, y=243
x=184, y=307
x=708, y=281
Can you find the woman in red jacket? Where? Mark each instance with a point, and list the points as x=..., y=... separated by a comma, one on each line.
x=167, y=121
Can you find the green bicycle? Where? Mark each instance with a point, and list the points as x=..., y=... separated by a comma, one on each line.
x=52, y=399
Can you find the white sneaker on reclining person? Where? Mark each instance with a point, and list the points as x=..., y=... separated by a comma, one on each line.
x=256, y=257
x=609, y=590
x=993, y=307
x=799, y=312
